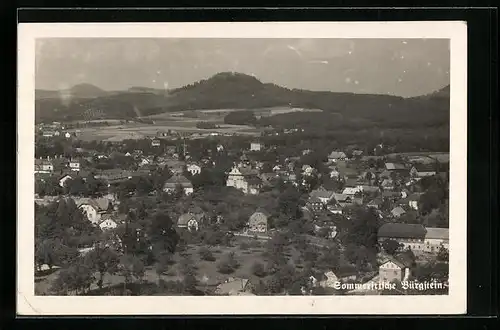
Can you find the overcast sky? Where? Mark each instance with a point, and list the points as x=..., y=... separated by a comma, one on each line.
x=407, y=67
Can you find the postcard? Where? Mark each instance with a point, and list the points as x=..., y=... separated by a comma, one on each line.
x=242, y=168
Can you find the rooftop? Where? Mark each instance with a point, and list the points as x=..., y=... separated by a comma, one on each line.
x=100, y=204
x=394, y=166
x=401, y=230
x=336, y=154
x=185, y=218
x=321, y=193
x=425, y=167
x=178, y=179
x=398, y=211
x=437, y=233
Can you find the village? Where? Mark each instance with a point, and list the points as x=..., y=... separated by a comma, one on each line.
x=241, y=215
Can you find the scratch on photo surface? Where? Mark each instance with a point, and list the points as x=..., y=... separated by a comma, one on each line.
x=28, y=302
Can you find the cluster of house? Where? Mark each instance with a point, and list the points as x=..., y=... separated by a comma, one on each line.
x=413, y=238
x=195, y=219
x=172, y=135
x=368, y=187
x=54, y=129
x=101, y=212
x=48, y=165
x=247, y=175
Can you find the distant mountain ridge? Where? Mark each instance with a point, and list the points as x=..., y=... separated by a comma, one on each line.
x=227, y=90
x=77, y=91
x=440, y=93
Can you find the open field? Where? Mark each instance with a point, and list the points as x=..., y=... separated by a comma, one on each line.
x=218, y=114
x=140, y=131
x=206, y=271
x=178, y=122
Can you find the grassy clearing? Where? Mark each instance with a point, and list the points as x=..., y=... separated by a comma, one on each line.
x=188, y=126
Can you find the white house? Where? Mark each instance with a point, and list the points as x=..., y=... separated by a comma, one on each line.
x=93, y=209
x=413, y=201
x=393, y=269
x=64, y=179
x=258, y=222
x=155, y=143
x=244, y=179
x=144, y=161
x=74, y=165
x=108, y=224
x=67, y=135
x=352, y=190
x=194, y=169
x=43, y=166
x=307, y=170
x=334, y=173
x=220, y=148
x=255, y=146
x=190, y=221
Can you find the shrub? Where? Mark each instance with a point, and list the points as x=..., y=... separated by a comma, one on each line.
x=206, y=254
x=228, y=265
x=255, y=244
x=224, y=268
x=232, y=260
x=244, y=246
x=189, y=282
x=171, y=286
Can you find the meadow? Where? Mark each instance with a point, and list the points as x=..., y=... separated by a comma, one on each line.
x=247, y=251
x=162, y=123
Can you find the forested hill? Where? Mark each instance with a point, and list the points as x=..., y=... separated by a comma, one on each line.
x=234, y=91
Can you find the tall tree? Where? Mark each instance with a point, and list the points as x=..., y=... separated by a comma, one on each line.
x=188, y=271
x=77, y=279
x=162, y=264
x=162, y=233
x=132, y=269
x=391, y=246
x=104, y=261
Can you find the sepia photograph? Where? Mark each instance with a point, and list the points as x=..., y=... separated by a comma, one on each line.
x=315, y=168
